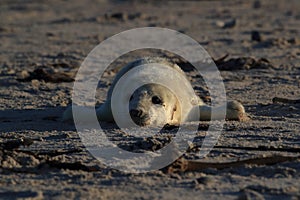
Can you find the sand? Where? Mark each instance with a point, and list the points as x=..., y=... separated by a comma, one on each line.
x=44, y=158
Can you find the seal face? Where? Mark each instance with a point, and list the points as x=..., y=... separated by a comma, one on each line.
x=154, y=104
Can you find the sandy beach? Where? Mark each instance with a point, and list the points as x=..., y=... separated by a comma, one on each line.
x=256, y=46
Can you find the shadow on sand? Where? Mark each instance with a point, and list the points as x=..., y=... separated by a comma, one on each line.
x=45, y=119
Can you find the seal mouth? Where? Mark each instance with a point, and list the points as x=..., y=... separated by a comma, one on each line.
x=140, y=119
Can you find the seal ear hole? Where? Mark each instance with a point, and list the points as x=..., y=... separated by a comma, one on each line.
x=156, y=100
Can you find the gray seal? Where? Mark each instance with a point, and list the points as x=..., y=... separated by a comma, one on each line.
x=154, y=104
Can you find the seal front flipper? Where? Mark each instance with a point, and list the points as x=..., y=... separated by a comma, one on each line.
x=234, y=111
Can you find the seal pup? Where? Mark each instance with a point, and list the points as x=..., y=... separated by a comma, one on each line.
x=154, y=104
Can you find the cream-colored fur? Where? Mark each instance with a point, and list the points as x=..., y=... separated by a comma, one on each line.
x=154, y=104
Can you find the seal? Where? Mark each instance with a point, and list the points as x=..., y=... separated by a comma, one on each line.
x=154, y=104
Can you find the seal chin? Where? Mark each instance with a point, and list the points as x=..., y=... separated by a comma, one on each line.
x=139, y=117
x=141, y=121
x=157, y=116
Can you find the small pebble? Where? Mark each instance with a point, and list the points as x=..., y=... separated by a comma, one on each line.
x=226, y=24
x=23, y=74
x=256, y=4
x=255, y=36
x=35, y=84
x=11, y=72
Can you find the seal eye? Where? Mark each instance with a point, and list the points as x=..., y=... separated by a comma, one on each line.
x=156, y=100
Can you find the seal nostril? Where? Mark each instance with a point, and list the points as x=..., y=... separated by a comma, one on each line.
x=136, y=113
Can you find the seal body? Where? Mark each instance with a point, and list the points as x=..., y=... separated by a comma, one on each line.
x=154, y=104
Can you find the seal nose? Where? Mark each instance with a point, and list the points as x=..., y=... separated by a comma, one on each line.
x=136, y=112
